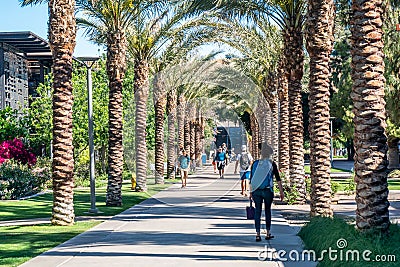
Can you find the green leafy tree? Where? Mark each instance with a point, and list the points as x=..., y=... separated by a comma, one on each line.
x=39, y=114
x=12, y=124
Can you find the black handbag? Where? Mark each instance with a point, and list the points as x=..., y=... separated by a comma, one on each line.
x=250, y=210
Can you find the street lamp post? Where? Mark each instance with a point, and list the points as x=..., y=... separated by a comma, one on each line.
x=88, y=62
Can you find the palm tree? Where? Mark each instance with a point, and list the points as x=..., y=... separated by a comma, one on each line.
x=171, y=112
x=106, y=21
x=183, y=38
x=370, y=140
x=62, y=33
x=319, y=34
x=167, y=30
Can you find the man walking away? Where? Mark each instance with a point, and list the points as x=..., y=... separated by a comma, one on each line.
x=221, y=160
x=245, y=160
x=183, y=163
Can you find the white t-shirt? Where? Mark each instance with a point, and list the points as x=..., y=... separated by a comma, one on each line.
x=250, y=159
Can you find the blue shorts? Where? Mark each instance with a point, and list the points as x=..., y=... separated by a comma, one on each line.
x=245, y=175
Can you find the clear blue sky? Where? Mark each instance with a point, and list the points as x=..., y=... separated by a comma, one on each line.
x=34, y=18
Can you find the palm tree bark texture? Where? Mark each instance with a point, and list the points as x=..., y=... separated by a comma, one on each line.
x=116, y=67
x=255, y=136
x=181, y=121
x=274, y=127
x=198, y=139
x=284, y=155
x=187, y=134
x=62, y=33
x=141, y=86
x=293, y=43
x=319, y=34
x=171, y=150
x=160, y=102
x=370, y=140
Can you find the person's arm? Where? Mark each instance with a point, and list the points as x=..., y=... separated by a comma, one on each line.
x=251, y=176
x=278, y=179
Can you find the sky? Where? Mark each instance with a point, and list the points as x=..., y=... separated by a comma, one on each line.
x=34, y=19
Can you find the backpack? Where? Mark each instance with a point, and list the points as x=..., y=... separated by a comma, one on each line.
x=221, y=156
x=244, y=161
x=261, y=174
x=184, y=160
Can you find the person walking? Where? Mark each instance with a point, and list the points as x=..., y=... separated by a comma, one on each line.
x=245, y=160
x=221, y=160
x=183, y=164
x=262, y=188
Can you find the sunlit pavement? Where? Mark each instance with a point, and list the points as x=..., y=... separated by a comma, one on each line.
x=201, y=225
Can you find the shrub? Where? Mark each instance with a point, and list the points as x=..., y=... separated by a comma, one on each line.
x=18, y=180
x=335, y=187
x=15, y=149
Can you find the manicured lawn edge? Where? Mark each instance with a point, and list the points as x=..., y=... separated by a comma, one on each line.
x=19, y=244
x=324, y=233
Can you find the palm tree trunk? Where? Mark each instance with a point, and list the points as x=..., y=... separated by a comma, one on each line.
x=187, y=135
x=160, y=102
x=198, y=142
x=116, y=67
x=171, y=151
x=141, y=95
x=294, y=55
x=181, y=121
x=192, y=142
x=320, y=39
x=202, y=138
x=274, y=127
x=254, y=136
x=62, y=33
x=368, y=93
x=284, y=151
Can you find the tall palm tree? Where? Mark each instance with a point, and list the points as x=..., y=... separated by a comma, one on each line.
x=370, y=140
x=319, y=34
x=106, y=21
x=171, y=112
x=155, y=31
x=183, y=38
x=62, y=33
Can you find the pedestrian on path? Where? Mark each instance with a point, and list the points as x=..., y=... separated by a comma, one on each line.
x=245, y=160
x=221, y=160
x=262, y=188
x=183, y=164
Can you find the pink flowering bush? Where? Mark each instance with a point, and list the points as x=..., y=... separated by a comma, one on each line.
x=15, y=149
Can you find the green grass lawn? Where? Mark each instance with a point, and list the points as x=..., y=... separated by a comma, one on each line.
x=40, y=207
x=334, y=229
x=393, y=184
x=307, y=169
x=18, y=244
x=21, y=243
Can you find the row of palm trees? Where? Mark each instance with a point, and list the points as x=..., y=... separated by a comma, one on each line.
x=146, y=29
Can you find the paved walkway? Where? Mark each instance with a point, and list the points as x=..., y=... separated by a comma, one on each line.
x=202, y=225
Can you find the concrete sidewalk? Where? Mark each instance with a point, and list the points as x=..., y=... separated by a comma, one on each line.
x=201, y=225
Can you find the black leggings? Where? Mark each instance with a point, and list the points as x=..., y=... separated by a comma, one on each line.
x=260, y=196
